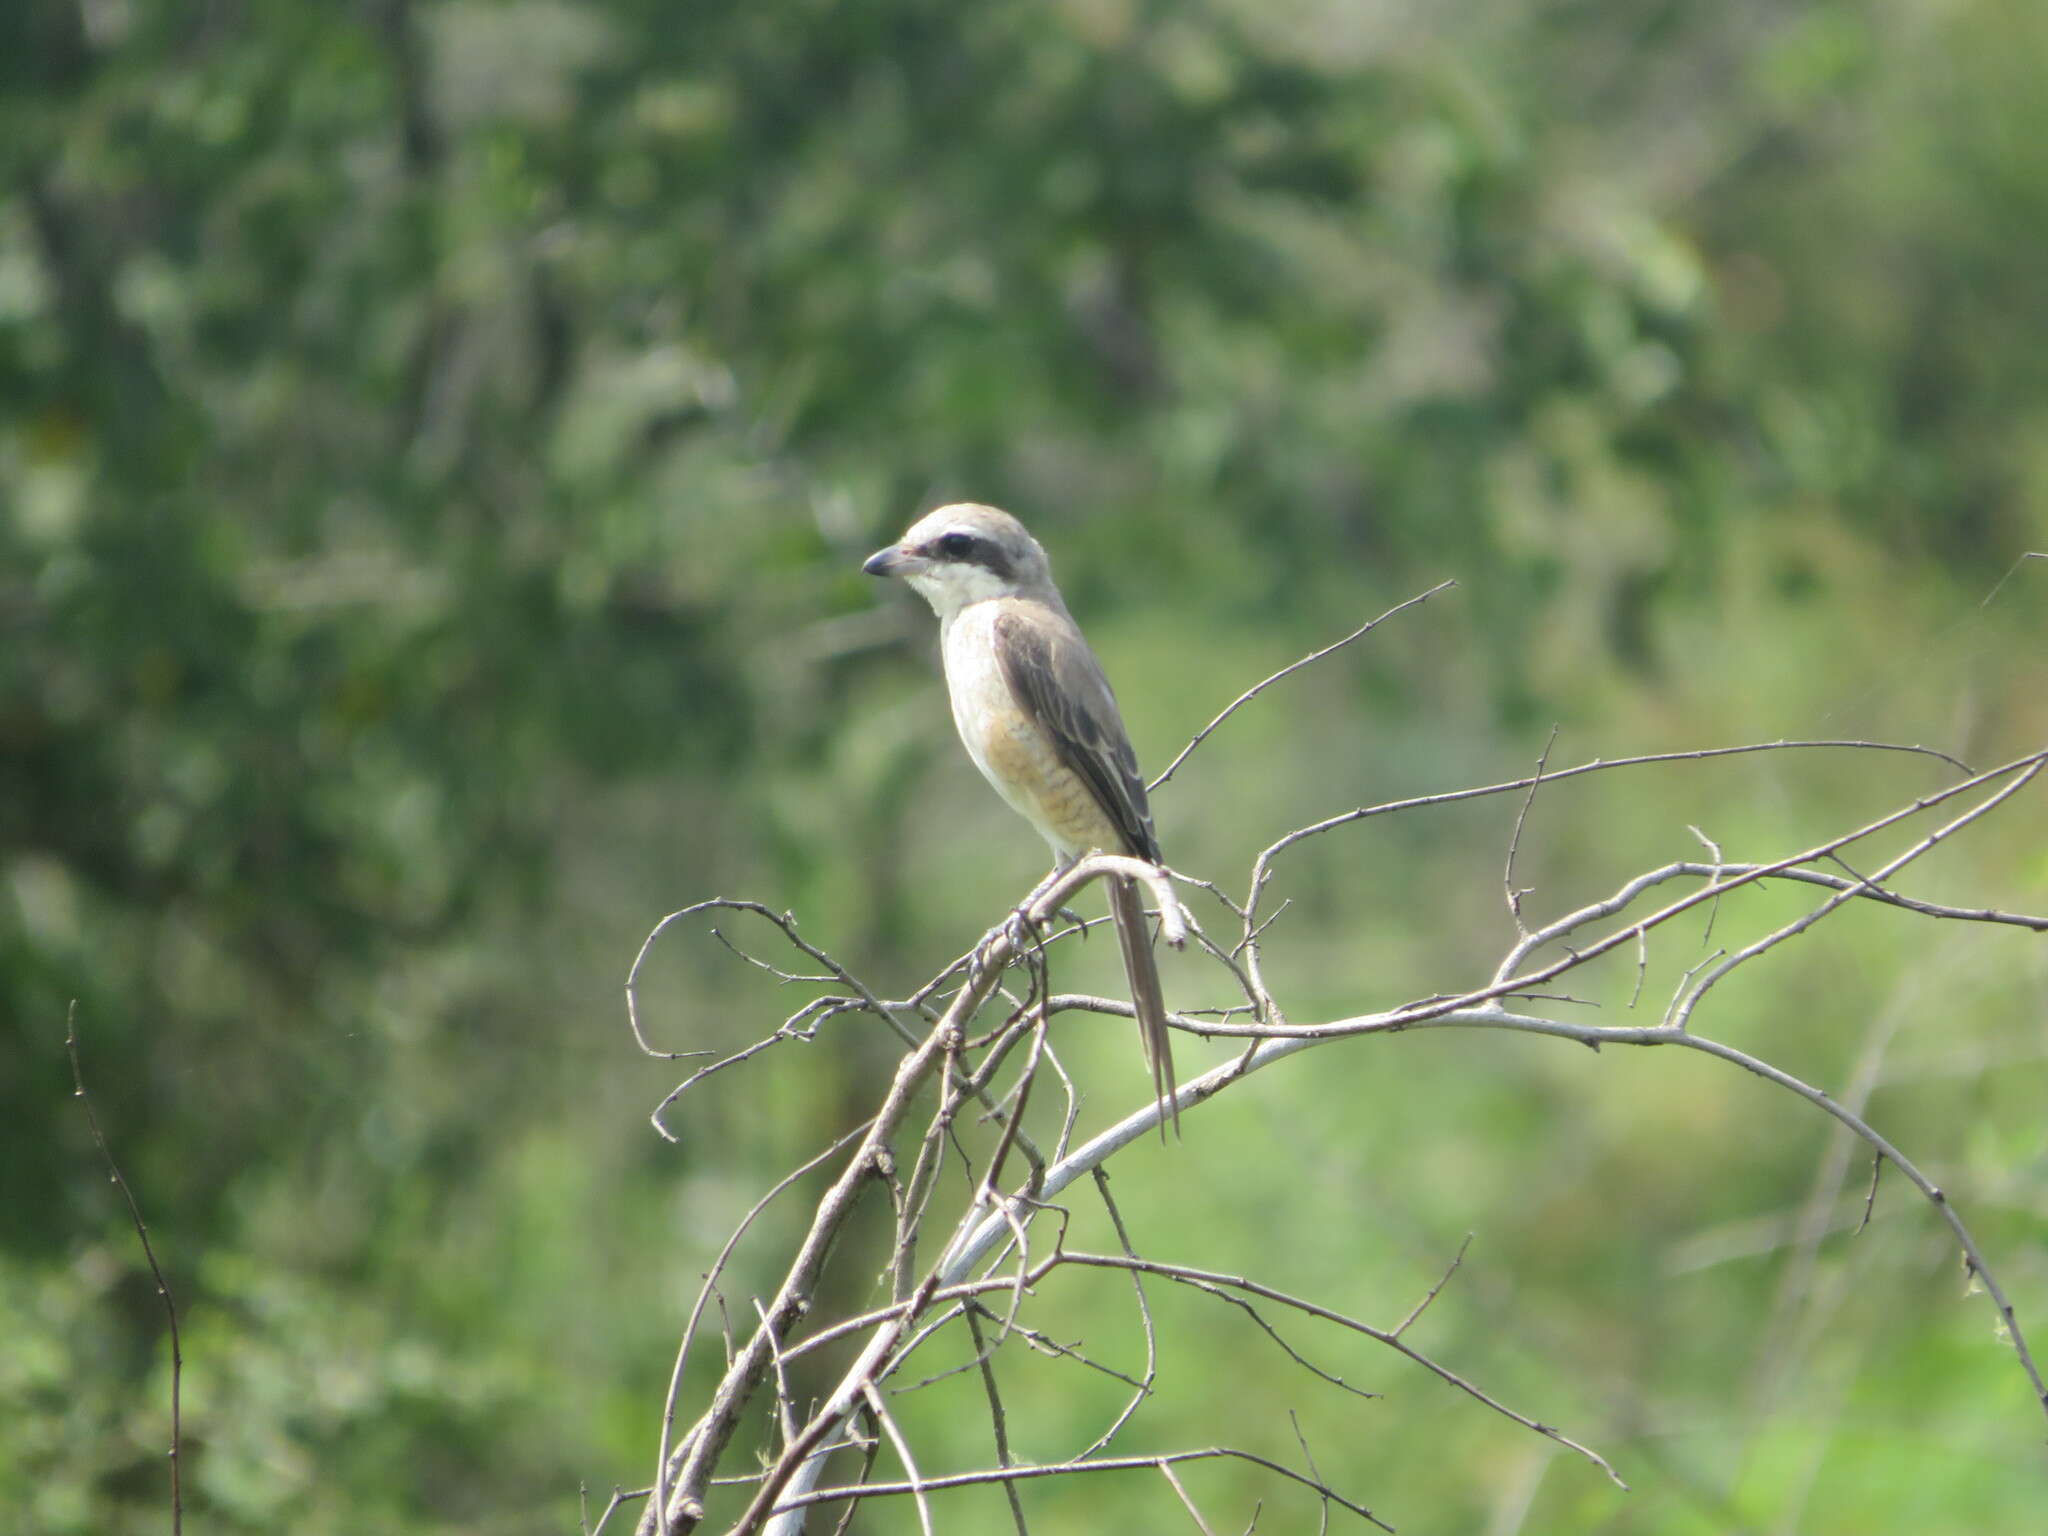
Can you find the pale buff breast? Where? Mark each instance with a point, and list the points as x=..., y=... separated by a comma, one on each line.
x=1008, y=746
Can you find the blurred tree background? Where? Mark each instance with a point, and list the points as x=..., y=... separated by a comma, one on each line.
x=439, y=439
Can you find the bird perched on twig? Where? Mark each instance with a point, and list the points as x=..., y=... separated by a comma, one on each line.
x=1038, y=717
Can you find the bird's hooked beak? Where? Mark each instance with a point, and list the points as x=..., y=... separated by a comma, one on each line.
x=894, y=561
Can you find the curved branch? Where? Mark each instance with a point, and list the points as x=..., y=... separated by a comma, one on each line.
x=1293, y=666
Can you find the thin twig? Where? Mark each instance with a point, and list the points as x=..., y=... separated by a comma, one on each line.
x=156, y=1270
x=785, y=1399
x=870, y=1452
x=1423, y=1305
x=1073, y=1468
x=1207, y=1279
x=1151, y=1373
x=781, y=920
x=998, y=1420
x=782, y=977
x=620, y=1498
x=1180, y=1491
x=704, y=1293
x=2032, y=554
x=890, y=1428
x=1262, y=866
x=1493, y=1017
x=1293, y=666
x=1800, y=1293
x=1870, y=1199
x=1682, y=1015
x=1308, y=1458
x=1515, y=841
x=1714, y=911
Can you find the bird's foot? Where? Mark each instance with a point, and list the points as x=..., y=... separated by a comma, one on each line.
x=1017, y=929
x=1020, y=930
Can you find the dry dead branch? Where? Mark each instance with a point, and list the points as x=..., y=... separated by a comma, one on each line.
x=980, y=1247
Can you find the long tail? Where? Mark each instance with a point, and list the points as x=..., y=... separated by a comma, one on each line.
x=1148, y=1000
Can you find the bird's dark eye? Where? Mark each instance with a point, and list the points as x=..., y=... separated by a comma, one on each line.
x=964, y=547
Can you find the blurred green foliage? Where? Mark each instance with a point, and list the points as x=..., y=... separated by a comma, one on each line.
x=438, y=441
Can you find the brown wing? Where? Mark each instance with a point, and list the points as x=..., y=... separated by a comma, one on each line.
x=1052, y=673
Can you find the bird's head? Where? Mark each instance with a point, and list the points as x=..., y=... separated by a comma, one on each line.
x=965, y=554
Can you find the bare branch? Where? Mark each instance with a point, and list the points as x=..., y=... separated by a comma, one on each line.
x=1423, y=1305
x=1293, y=666
x=619, y=1499
x=1870, y=1200
x=156, y=1270
x=1586, y=1034
x=887, y=1420
x=2032, y=554
x=869, y=1452
x=1151, y=1374
x=1180, y=1491
x=1308, y=1459
x=1209, y=1280
x=702, y=1450
x=1022, y=1473
x=783, y=977
x=785, y=1400
x=998, y=1420
x=1515, y=841
x=704, y=1293
x=1262, y=866
x=683, y=1505
x=1682, y=1015
x=963, y=1221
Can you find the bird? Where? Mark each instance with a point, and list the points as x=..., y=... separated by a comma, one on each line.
x=1039, y=719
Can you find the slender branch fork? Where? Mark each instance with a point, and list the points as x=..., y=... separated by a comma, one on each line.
x=980, y=1273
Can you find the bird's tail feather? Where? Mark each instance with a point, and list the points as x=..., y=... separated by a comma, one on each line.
x=1148, y=999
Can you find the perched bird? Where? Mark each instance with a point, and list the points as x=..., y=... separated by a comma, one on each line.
x=1038, y=718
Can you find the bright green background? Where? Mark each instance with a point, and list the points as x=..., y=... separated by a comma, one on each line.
x=438, y=444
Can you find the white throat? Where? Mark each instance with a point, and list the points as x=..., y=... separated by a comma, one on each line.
x=951, y=586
